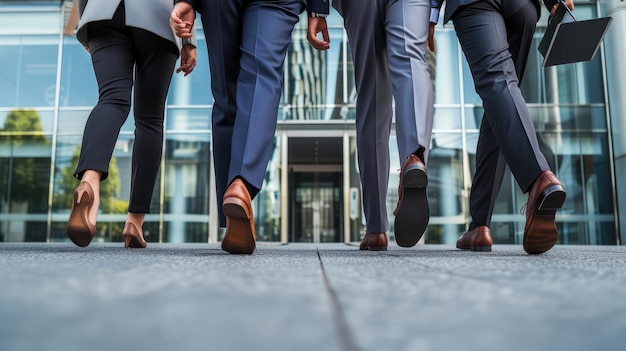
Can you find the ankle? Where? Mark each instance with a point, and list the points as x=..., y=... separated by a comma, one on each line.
x=136, y=219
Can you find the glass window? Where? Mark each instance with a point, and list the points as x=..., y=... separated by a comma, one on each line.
x=28, y=77
x=266, y=204
x=446, y=177
x=447, y=118
x=474, y=117
x=563, y=117
x=470, y=95
x=27, y=120
x=446, y=69
x=24, y=186
x=316, y=79
x=30, y=19
x=78, y=82
x=187, y=187
x=197, y=119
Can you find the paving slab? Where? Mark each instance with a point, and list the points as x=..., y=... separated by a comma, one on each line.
x=56, y=296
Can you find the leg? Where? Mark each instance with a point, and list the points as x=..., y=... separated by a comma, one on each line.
x=222, y=29
x=266, y=33
x=156, y=58
x=364, y=23
x=155, y=61
x=496, y=82
x=489, y=160
x=112, y=61
x=406, y=26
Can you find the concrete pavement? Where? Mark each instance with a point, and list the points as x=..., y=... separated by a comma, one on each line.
x=310, y=297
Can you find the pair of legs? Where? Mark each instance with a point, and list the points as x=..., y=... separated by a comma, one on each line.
x=496, y=43
x=122, y=57
x=388, y=42
x=247, y=43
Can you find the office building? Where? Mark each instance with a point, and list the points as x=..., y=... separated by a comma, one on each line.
x=311, y=191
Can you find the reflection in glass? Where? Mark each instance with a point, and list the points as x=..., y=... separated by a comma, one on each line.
x=25, y=154
x=186, y=193
x=78, y=82
x=266, y=204
x=32, y=80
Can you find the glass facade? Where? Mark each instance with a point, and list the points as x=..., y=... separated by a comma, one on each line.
x=311, y=191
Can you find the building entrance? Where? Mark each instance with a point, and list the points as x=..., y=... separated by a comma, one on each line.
x=315, y=188
x=315, y=211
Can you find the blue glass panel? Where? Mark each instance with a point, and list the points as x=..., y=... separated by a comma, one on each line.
x=78, y=82
x=30, y=68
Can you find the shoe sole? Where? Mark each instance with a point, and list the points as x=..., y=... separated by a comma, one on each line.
x=78, y=225
x=542, y=234
x=373, y=248
x=239, y=236
x=131, y=242
x=476, y=248
x=413, y=214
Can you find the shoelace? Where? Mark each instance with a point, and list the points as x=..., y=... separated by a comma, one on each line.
x=524, y=209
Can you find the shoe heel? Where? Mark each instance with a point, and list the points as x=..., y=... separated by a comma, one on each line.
x=481, y=248
x=79, y=230
x=234, y=207
x=376, y=248
x=127, y=240
x=132, y=237
x=551, y=199
x=415, y=178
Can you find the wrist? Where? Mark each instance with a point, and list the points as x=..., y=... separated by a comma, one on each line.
x=317, y=14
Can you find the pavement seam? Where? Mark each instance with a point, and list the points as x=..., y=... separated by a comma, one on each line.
x=345, y=334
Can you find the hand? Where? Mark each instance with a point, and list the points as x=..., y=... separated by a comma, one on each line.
x=182, y=18
x=568, y=3
x=431, y=37
x=317, y=25
x=187, y=59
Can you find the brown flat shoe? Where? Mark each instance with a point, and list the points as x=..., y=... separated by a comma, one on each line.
x=478, y=239
x=374, y=242
x=132, y=237
x=546, y=196
x=240, y=236
x=79, y=230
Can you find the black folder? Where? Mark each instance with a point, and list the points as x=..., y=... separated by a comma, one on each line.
x=567, y=40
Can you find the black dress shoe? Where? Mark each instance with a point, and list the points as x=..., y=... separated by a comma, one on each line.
x=240, y=236
x=374, y=242
x=477, y=239
x=545, y=197
x=412, y=213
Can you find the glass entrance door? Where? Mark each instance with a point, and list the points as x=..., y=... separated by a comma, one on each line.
x=315, y=207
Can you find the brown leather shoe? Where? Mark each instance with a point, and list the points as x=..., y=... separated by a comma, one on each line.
x=132, y=237
x=374, y=242
x=412, y=211
x=240, y=236
x=80, y=231
x=545, y=197
x=477, y=239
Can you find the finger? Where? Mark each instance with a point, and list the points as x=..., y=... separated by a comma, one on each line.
x=326, y=36
x=316, y=42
